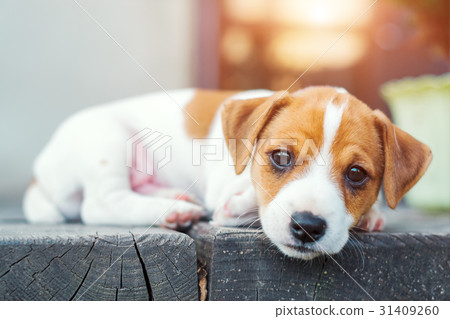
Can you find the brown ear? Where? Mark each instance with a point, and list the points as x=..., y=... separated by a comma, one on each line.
x=406, y=159
x=242, y=120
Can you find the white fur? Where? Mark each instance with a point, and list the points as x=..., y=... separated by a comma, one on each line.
x=315, y=191
x=83, y=168
x=341, y=90
x=87, y=155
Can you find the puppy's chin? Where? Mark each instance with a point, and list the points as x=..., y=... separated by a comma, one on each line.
x=324, y=247
x=300, y=252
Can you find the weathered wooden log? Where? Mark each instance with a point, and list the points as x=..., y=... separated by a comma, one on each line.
x=242, y=264
x=76, y=262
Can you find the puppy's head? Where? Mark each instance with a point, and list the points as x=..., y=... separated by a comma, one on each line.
x=318, y=159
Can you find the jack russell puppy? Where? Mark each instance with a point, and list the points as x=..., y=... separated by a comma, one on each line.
x=307, y=165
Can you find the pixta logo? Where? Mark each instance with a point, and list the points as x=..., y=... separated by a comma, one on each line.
x=147, y=151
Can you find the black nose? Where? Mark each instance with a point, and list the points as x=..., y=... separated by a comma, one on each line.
x=306, y=227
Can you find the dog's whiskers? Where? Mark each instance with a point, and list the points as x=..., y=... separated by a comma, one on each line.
x=257, y=219
x=247, y=212
x=357, y=245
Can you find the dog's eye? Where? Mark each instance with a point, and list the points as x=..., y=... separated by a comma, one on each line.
x=281, y=159
x=356, y=175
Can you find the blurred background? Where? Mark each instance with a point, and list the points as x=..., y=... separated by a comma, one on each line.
x=55, y=59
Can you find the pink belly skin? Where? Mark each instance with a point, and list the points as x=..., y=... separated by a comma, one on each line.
x=143, y=183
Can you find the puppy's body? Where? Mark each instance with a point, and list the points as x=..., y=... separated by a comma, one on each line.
x=306, y=208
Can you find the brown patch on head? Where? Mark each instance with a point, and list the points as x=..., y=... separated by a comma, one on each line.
x=301, y=122
x=368, y=139
x=357, y=143
x=243, y=120
x=203, y=108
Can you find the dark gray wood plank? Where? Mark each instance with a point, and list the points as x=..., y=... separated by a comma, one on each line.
x=242, y=264
x=68, y=262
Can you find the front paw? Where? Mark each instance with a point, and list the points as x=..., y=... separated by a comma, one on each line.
x=240, y=210
x=182, y=215
x=373, y=220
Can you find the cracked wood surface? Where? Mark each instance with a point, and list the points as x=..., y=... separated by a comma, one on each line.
x=68, y=262
x=242, y=264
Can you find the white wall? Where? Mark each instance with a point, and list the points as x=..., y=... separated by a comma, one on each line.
x=55, y=60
